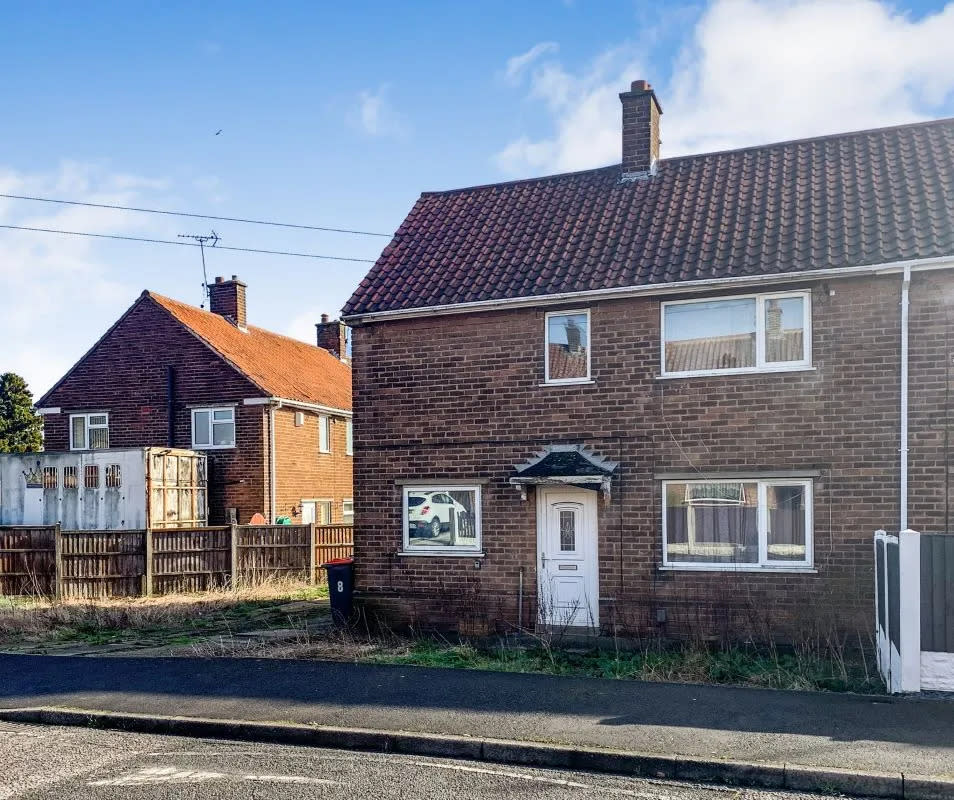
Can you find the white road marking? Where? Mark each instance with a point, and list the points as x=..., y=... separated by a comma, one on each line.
x=151, y=775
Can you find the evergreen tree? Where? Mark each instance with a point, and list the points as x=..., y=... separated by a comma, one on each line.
x=21, y=428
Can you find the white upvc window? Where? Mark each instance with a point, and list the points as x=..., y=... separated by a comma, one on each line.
x=737, y=524
x=89, y=431
x=349, y=437
x=213, y=428
x=441, y=519
x=566, y=351
x=324, y=434
x=347, y=511
x=737, y=334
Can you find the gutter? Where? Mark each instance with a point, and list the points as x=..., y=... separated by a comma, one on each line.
x=905, y=303
x=682, y=287
x=284, y=401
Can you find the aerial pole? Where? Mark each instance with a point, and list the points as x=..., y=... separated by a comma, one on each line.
x=203, y=240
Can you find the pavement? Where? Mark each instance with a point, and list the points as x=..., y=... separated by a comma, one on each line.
x=803, y=730
x=40, y=762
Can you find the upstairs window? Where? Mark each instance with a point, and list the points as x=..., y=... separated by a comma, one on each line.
x=89, y=431
x=567, y=351
x=752, y=333
x=324, y=434
x=213, y=428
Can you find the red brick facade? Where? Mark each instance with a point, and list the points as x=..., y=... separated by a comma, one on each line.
x=126, y=374
x=459, y=398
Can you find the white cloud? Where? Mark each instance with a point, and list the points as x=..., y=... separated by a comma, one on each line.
x=56, y=292
x=753, y=71
x=518, y=64
x=376, y=116
x=302, y=325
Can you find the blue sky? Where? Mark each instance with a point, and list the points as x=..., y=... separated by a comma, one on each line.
x=341, y=114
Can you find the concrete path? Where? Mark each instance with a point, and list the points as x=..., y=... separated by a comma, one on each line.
x=864, y=733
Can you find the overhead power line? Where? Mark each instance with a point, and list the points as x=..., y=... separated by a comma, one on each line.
x=193, y=216
x=183, y=244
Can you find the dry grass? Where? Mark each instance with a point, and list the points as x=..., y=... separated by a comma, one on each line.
x=46, y=619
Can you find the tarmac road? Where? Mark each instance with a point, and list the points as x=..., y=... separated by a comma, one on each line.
x=52, y=762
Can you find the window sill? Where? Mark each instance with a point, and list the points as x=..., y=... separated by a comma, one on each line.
x=716, y=373
x=580, y=382
x=213, y=447
x=445, y=554
x=806, y=570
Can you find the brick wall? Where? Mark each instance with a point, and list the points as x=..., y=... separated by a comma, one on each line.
x=302, y=472
x=126, y=376
x=459, y=398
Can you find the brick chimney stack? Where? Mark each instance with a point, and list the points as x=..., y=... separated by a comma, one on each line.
x=228, y=299
x=641, y=111
x=333, y=337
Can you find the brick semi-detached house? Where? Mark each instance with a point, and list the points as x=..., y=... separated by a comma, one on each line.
x=660, y=396
x=272, y=413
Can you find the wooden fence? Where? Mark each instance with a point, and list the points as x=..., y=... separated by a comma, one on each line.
x=97, y=564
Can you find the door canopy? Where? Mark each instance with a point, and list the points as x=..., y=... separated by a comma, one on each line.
x=565, y=465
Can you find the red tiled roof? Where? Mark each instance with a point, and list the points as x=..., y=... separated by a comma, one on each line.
x=734, y=351
x=280, y=366
x=564, y=363
x=851, y=199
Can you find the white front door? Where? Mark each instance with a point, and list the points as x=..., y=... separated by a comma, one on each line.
x=567, y=557
x=307, y=511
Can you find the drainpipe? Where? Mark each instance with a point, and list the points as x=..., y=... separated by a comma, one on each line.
x=271, y=461
x=905, y=290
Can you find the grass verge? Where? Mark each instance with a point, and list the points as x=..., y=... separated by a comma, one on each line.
x=172, y=619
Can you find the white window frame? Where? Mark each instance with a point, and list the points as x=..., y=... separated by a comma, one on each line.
x=324, y=434
x=349, y=437
x=764, y=564
x=344, y=514
x=466, y=550
x=761, y=365
x=546, y=347
x=88, y=428
x=211, y=411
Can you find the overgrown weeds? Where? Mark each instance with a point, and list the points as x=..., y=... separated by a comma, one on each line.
x=44, y=619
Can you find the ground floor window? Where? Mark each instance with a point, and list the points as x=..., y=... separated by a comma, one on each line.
x=347, y=512
x=728, y=524
x=442, y=519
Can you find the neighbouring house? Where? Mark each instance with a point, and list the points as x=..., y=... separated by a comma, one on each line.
x=272, y=414
x=671, y=395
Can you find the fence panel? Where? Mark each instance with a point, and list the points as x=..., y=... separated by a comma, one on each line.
x=191, y=559
x=27, y=560
x=937, y=593
x=99, y=564
x=269, y=551
x=333, y=541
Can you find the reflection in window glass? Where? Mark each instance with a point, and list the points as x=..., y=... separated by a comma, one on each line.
x=717, y=334
x=568, y=341
x=784, y=329
x=200, y=424
x=442, y=518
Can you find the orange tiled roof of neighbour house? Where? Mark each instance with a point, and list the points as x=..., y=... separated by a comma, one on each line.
x=565, y=363
x=735, y=351
x=282, y=366
x=851, y=199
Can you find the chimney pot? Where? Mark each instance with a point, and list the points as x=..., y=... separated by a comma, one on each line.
x=641, y=112
x=219, y=279
x=227, y=298
x=324, y=318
